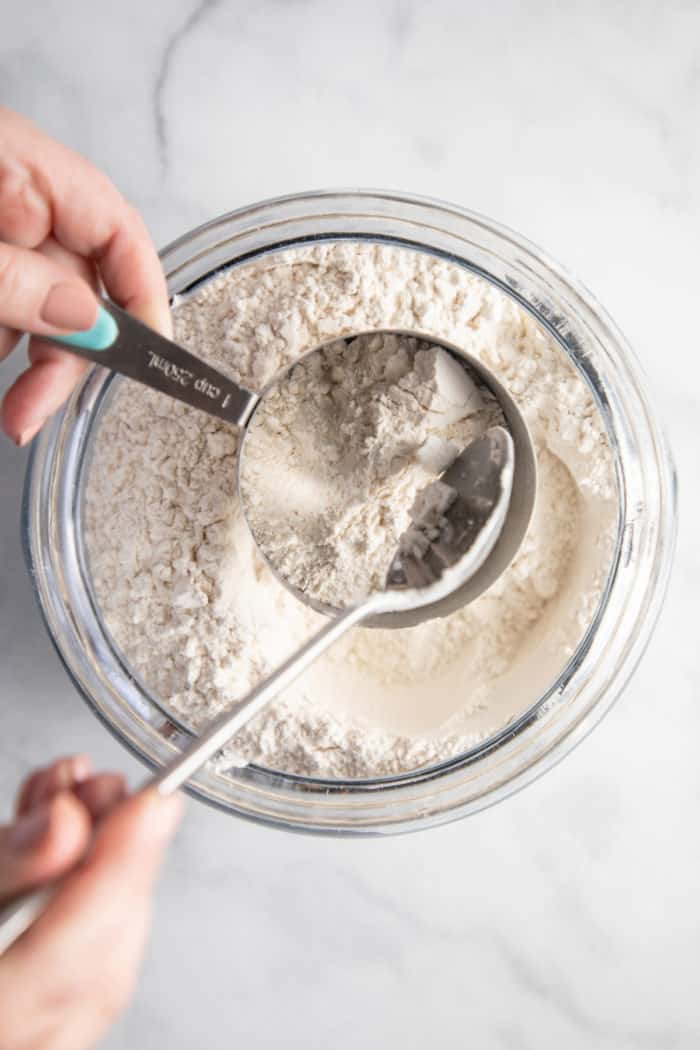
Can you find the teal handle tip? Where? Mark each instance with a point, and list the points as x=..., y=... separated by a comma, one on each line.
x=99, y=337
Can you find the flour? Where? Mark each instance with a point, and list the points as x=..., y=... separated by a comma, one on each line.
x=200, y=617
x=336, y=454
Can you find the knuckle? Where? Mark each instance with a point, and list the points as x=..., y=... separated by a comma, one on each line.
x=13, y=182
x=22, y=211
x=10, y=275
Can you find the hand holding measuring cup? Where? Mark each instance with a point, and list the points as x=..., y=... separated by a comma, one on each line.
x=64, y=227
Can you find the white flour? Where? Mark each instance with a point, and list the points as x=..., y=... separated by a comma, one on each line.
x=199, y=616
x=336, y=454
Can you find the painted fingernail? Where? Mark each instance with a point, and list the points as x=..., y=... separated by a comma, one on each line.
x=29, y=830
x=70, y=306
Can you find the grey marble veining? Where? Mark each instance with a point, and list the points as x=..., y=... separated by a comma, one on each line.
x=568, y=916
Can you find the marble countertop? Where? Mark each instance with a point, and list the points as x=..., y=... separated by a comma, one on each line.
x=567, y=916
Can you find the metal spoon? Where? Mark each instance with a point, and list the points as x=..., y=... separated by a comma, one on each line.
x=121, y=343
x=456, y=525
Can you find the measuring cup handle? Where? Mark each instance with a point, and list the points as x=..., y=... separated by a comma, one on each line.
x=121, y=343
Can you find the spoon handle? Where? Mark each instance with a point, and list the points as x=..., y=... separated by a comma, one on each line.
x=23, y=911
x=121, y=343
x=223, y=728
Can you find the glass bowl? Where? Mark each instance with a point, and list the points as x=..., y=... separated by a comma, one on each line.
x=594, y=677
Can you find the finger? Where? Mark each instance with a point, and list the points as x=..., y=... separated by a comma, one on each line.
x=25, y=214
x=92, y=219
x=62, y=775
x=107, y=892
x=38, y=294
x=101, y=793
x=43, y=844
x=9, y=338
x=26, y=790
x=124, y=859
x=50, y=248
x=39, y=391
x=129, y=844
x=33, y=398
x=101, y=913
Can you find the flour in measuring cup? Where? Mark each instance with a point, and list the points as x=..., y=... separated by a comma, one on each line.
x=338, y=451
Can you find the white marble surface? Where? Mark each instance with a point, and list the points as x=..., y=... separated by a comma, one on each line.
x=568, y=916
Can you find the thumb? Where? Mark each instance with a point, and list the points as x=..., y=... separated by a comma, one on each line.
x=126, y=852
x=132, y=839
x=116, y=876
x=107, y=895
x=43, y=844
x=39, y=295
x=156, y=314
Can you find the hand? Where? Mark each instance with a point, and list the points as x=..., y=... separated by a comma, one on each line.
x=68, y=977
x=63, y=228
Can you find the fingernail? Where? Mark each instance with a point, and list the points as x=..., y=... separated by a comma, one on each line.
x=26, y=435
x=70, y=306
x=81, y=767
x=29, y=830
x=70, y=771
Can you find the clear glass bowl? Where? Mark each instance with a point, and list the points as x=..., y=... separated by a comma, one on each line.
x=606, y=657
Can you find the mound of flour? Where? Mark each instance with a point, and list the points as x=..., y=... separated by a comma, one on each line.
x=337, y=453
x=199, y=616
